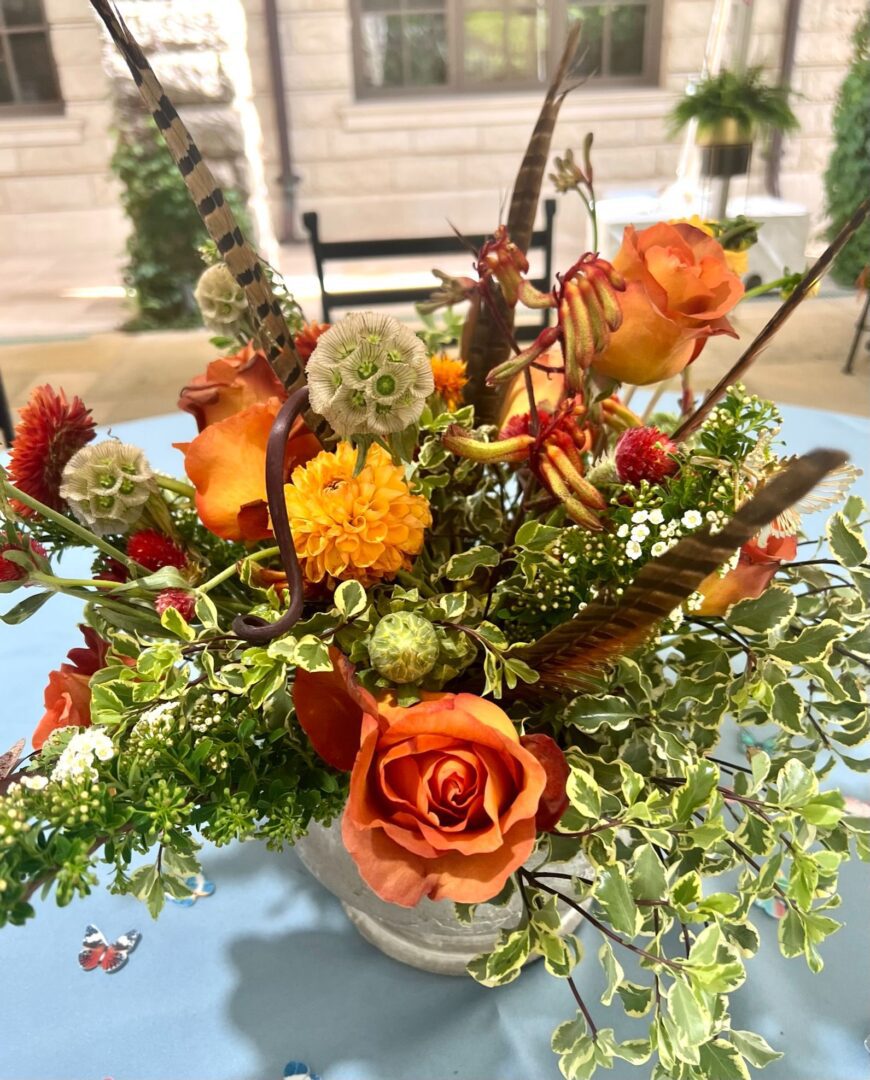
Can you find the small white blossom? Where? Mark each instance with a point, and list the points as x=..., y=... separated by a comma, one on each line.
x=639, y=532
x=691, y=519
x=656, y=517
x=622, y=531
x=676, y=617
x=633, y=549
x=35, y=783
x=694, y=602
x=659, y=548
x=639, y=516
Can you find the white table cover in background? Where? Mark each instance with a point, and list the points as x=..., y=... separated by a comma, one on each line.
x=269, y=969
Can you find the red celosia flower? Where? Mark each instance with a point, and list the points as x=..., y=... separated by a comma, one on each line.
x=307, y=337
x=11, y=571
x=153, y=550
x=645, y=453
x=184, y=602
x=50, y=431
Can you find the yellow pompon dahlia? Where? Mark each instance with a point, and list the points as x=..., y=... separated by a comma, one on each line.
x=450, y=380
x=364, y=527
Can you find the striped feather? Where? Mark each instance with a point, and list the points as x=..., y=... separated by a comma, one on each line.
x=222, y=227
x=568, y=655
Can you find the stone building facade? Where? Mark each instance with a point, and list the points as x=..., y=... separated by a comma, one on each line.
x=373, y=166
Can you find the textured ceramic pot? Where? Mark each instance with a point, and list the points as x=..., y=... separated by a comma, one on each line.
x=427, y=936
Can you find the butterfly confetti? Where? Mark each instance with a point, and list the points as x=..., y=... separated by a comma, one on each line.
x=200, y=888
x=752, y=744
x=97, y=952
x=774, y=906
x=299, y=1070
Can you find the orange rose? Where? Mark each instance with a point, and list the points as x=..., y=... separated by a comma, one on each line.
x=750, y=577
x=229, y=385
x=226, y=463
x=442, y=801
x=445, y=798
x=679, y=289
x=68, y=694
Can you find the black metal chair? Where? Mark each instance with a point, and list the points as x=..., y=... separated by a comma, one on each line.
x=7, y=424
x=333, y=250
x=861, y=326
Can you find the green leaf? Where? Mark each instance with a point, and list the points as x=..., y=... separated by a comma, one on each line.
x=792, y=934
x=754, y=1048
x=584, y=794
x=613, y=972
x=634, y=1051
x=464, y=913
x=813, y=643
x=714, y=964
x=173, y=621
x=788, y=708
x=701, y=781
x=453, y=605
x=534, y=536
x=648, y=880
x=614, y=896
x=691, y=1018
x=796, y=784
x=561, y=954
x=636, y=999
x=570, y=1034
x=350, y=599
x=506, y=960
x=803, y=880
x=26, y=607
x=589, y=714
x=847, y=543
x=206, y=612
x=461, y=567
x=768, y=612
x=311, y=654
x=721, y=1061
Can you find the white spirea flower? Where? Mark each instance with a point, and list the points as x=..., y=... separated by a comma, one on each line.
x=622, y=531
x=639, y=516
x=107, y=485
x=695, y=601
x=640, y=532
x=35, y=783
x=76, y=760
x=676, y=617
x=369, y=375
x=633, y=549
x=658, y=549
x=656, y=517
x=691, y=519
x=221, y=300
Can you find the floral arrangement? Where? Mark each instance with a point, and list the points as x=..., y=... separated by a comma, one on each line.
x=485, y=646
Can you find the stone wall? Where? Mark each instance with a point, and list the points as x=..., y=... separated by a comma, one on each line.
x=402, y=167
x=56, y=191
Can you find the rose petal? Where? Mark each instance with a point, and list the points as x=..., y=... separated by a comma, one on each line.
x=330, y=706
x=554, y=800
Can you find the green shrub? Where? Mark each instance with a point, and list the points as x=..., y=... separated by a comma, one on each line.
x=847, y=179
x=164, y=262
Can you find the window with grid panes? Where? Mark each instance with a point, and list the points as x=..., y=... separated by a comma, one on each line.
x=408, y=47
x=28, y=80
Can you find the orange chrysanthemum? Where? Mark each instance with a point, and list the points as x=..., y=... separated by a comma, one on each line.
x=450, y=379
x=364, y=527
x=50, y=431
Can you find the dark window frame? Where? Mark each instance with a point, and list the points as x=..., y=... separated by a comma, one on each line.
x=28, y=108
x=458, y=84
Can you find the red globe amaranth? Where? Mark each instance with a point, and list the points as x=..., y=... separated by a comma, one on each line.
x=154, y=550
x=50, y=431
x=645, y=453
x=184, y=602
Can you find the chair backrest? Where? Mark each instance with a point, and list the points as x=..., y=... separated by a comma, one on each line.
x=347, y=250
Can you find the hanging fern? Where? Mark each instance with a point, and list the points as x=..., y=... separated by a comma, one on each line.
x=740, y=96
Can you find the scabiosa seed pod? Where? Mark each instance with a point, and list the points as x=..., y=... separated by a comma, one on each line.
x=645, y=453
x=183, y=601
x=369, y=375
x=221, y=301
x=404, y=647
x=107, y=486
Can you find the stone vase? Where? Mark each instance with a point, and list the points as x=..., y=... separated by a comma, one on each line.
x=428, y=936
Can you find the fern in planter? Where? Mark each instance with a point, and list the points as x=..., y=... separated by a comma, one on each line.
x=741, y=97
x=847, y=179
x=164, y=261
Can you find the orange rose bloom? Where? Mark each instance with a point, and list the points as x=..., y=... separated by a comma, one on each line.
x=679, y=289
x=442, y=803
x=229, y=385
x=750, y=577
x=226, y=463
x=68, y=694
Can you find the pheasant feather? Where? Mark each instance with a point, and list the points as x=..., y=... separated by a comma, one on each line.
x=238, y=255
x=571, y=653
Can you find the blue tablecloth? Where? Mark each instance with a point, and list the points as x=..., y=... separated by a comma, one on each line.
x=269, y=969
